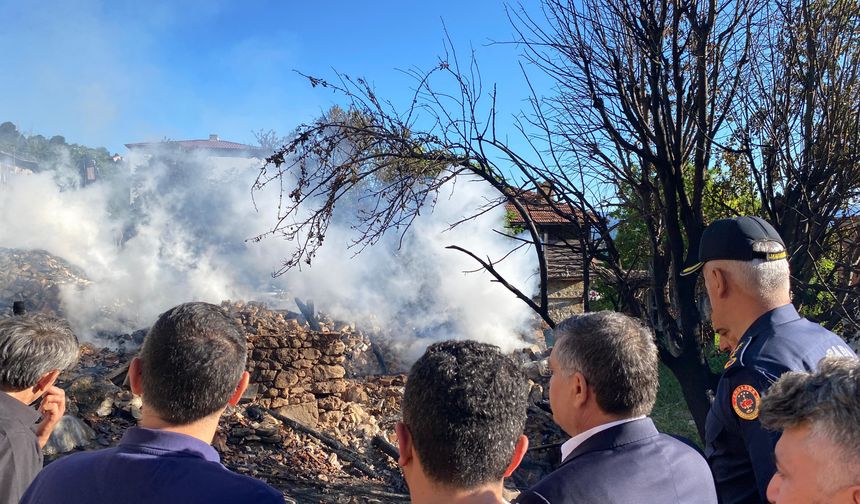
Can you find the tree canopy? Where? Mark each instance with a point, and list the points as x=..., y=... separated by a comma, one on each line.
x=52, y=153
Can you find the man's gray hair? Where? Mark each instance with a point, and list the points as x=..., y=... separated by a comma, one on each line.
x=31, y=346
x=765, y=279
x=828, y=401
x=617, y=356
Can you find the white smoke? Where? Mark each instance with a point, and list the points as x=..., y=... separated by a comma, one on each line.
x=422, y=290
x=162, y=233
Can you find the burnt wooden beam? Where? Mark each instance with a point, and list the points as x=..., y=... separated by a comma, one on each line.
x=308, y=313
x=343, y=451
x=381, y=444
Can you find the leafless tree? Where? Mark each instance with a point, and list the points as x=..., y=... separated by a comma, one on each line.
x=643, y=92
x=391, y=169
x=799, y=129
x=652, y=106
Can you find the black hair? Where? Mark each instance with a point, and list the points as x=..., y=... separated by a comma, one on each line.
x=465, y=406
x=191, y=361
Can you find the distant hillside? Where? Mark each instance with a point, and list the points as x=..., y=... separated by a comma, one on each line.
x=51, y=153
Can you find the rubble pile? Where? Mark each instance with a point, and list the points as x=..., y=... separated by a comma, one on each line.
x=545, y=437
x=301, y=374
x=307, y=428
x=312, y=426
x=34, y=277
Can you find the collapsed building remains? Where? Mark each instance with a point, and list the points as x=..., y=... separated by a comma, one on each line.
x=317, y=422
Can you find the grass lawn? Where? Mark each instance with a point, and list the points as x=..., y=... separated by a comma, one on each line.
x=670, y=413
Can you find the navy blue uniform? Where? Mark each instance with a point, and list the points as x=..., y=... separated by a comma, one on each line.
x=628, y=463
x=738, y=449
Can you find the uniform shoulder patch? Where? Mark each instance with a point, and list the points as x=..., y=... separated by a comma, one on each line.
x=746, y=401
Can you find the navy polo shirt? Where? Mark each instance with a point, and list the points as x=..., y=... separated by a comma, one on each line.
x=20, y=455
x=739, y=450
x=148, y=466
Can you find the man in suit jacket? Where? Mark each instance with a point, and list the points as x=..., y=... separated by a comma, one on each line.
x=603, y=386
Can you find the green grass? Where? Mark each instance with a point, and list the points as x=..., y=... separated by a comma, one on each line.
x=670, y=413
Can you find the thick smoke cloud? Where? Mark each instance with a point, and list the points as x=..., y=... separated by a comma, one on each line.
x=174, y=228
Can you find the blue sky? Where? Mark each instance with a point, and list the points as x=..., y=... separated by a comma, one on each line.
x=105, y=73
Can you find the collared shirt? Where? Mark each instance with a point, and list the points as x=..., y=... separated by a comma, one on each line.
x=20, y=455
x=571, y=444
x=739, y=450
x=148, y=466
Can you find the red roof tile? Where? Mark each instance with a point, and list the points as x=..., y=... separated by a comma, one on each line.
x=540, y=211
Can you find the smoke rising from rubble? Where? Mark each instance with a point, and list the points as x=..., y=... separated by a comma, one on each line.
x=158, y=233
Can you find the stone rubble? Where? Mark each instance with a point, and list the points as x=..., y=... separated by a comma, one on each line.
x=35, y=277
x=310, y=377
x=339, y=382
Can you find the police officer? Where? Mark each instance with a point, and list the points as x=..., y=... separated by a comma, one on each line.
x=745, y=268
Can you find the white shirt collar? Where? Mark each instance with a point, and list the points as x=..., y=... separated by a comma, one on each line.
x=572, y=443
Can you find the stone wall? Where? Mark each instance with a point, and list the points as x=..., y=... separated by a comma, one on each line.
x=300, y=375
x=297, y=372
x=565, y=297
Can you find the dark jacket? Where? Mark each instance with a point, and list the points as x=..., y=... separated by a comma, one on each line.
x=628, y=463
x=147, y=467
x=739, y=450
x=20, y=455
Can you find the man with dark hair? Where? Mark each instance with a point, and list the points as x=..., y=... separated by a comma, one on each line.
x=191, y=366
x=464, y=410
x=33, y=351
x=818, y=454
x=604, y=384
x=745, y=267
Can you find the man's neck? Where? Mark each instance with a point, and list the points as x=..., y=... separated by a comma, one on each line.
x=203, y=429
x=488, y=494
x=595, y=418
x=26, y=396
x=750, y=310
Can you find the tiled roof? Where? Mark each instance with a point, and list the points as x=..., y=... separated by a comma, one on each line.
x=198, y=145
x=540, y=211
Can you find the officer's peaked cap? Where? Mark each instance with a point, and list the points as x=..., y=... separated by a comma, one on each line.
x=734, y=239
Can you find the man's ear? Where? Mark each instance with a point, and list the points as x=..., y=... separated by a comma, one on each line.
x=46, y=381
x=404, y=443
x=135, y=380
x=719, y=282
x=240, y=389
x=578, y=389
x=520, y=450
x=855, y=495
